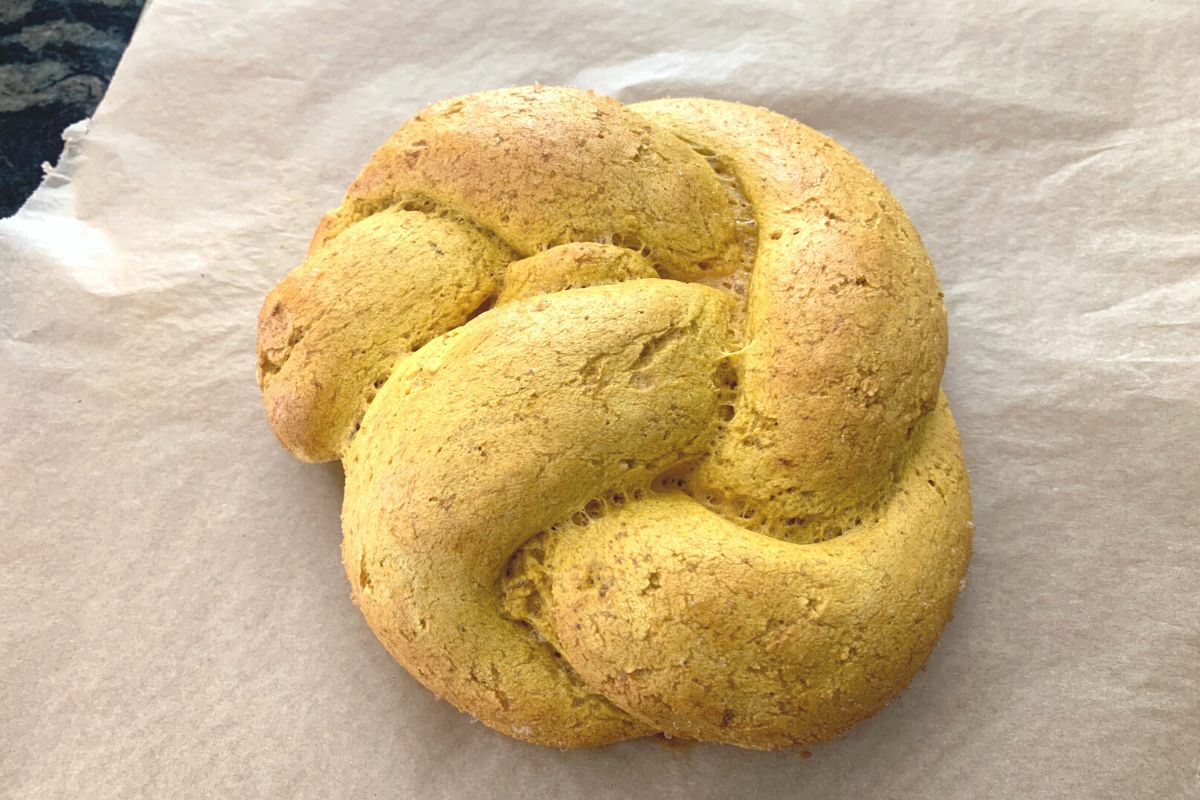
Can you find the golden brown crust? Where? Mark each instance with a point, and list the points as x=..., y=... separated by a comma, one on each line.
x=572, y=266
x=846, y=335
x=712, y=632
x=730, y=506
x=331, y=331
x=542, y=166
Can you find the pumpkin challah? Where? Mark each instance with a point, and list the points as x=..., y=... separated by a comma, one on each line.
x=640, y=417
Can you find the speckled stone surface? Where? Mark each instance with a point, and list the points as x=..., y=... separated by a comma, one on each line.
x=56, y=59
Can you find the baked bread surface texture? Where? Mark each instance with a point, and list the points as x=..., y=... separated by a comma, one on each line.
x=640, y=416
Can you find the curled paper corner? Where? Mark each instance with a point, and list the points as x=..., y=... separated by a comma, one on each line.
x=72, y=136
x=74, y=133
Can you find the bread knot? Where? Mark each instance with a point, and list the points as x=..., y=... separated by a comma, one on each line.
x=640, y=417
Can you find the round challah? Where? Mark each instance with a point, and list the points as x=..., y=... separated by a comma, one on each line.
x=640, y=417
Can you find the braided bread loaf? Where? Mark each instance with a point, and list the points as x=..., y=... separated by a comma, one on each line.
x=640, y=416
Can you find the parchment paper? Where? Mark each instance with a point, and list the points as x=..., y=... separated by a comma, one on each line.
x=174, y=621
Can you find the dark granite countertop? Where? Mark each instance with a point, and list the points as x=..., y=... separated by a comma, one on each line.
x=56, y=59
